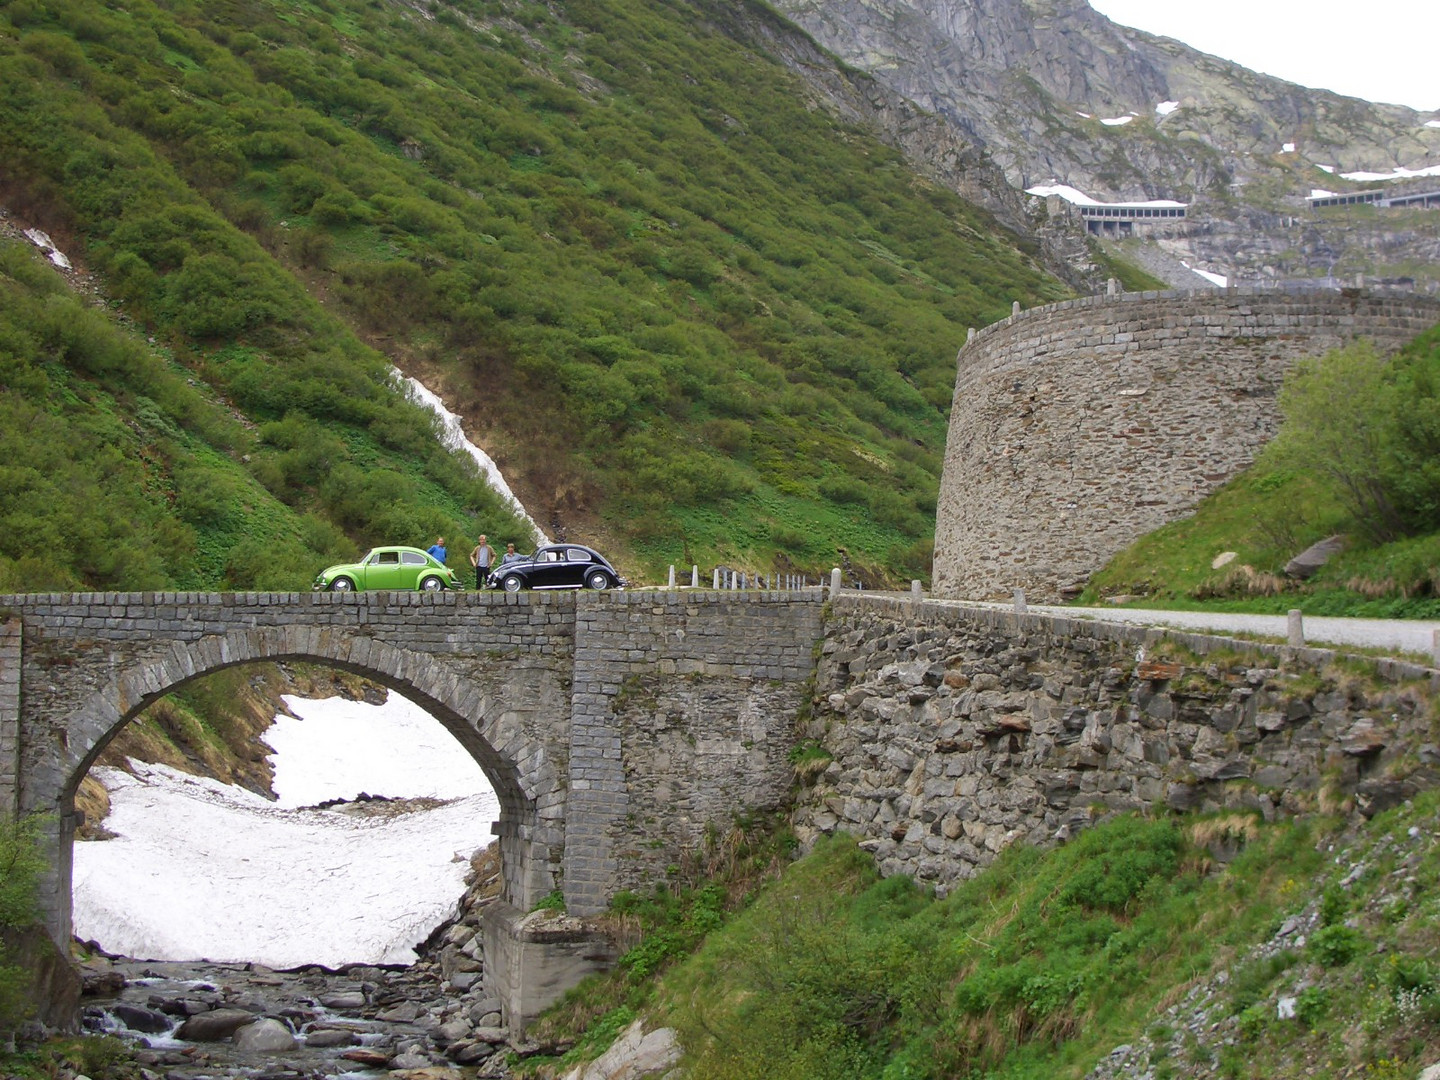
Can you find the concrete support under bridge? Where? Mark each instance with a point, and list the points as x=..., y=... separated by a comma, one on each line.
x=614, y=727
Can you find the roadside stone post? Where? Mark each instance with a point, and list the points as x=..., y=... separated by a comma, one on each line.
x=716, y=585
x=834, y=583
x=1020, y=606
x=1435, y=647
x=694, y=576
x=671, y=583
x=1014, y=308
x=917, y=597
x=1294, y=628
x=1112, y=287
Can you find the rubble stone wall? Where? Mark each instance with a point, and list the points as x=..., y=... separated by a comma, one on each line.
x=1080, y=426
x=954, y=731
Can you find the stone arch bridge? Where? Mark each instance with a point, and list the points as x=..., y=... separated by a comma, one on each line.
x=614, y=727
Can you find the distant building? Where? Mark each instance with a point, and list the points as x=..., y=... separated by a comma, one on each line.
x=1110, y=219
x=1426, y=200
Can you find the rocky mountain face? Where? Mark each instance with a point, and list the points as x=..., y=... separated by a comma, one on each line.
x=1053, y=92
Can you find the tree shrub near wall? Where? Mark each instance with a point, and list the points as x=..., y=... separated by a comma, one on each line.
x=20, y=868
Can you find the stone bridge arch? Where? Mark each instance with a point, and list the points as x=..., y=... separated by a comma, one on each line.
x=522, y=771
x=75, y=669
x=619, y=729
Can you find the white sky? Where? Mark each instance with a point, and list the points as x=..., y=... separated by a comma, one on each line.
x=1383, y=52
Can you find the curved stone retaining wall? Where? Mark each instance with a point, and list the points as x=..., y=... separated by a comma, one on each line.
x=1080, y=426
x=955, y=731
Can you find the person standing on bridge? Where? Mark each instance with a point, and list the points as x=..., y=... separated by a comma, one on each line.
x=481, y=558
x=437, y=549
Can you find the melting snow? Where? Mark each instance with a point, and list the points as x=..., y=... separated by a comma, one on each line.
x=1117, y=121
x=1432, y=123
x=1214, y=279
x=1399, y=173
x=1287, y=148
x=1320, y=193
x=1079, y=198
x=1086, y=115
x=1326, y=168
x=1165, y=108
x=200, y=869
x=453, y=436
x=45, y=244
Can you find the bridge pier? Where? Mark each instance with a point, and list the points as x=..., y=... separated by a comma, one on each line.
x=532, y=959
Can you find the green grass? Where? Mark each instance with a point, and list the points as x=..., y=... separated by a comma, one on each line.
x=1046, y=961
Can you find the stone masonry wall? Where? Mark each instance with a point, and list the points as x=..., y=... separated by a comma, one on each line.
x=955, y=731
x=684, y=714
x=1080, y=426
x=10, y=630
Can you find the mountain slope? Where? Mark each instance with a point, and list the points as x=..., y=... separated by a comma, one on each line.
x=685, y=310
x=1054, y=92
x=1018, y=74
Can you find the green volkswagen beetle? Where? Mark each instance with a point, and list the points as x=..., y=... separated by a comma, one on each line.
x=389, y=568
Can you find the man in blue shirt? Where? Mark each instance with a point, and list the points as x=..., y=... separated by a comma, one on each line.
x=437, y=549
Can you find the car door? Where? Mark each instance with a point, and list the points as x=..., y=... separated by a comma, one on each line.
x=412, y=566
x=577, y=564
x=548, y=569
x=382, y=570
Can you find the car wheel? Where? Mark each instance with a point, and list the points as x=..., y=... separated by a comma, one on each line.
x=598, y=580
x=511, y=583
x=431, y=583
x=342, y=584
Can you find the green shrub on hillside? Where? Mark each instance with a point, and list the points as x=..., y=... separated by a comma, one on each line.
x=1370, y=426
x=609, y=230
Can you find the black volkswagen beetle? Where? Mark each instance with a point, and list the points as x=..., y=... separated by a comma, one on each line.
x=557, y=566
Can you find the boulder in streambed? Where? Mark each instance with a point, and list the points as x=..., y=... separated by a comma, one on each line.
x=214, y=1025
x=265, y=1036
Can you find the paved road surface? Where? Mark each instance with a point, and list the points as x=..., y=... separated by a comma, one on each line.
x=1416, y=636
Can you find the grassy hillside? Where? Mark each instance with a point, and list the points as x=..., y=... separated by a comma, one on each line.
x=687, y=312
x=1204, y=946
x=1357, y=457
x=123, y=470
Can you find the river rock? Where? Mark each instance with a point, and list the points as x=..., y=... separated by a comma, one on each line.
x=344, y=999
x=325, y=1038
x=265, y=1036
x=214, y=1025
x=407, y=1012
x=451, y=1031
x=140, y=1019
x=363, y=1055
x=633, y=1055
x=411, y=1059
